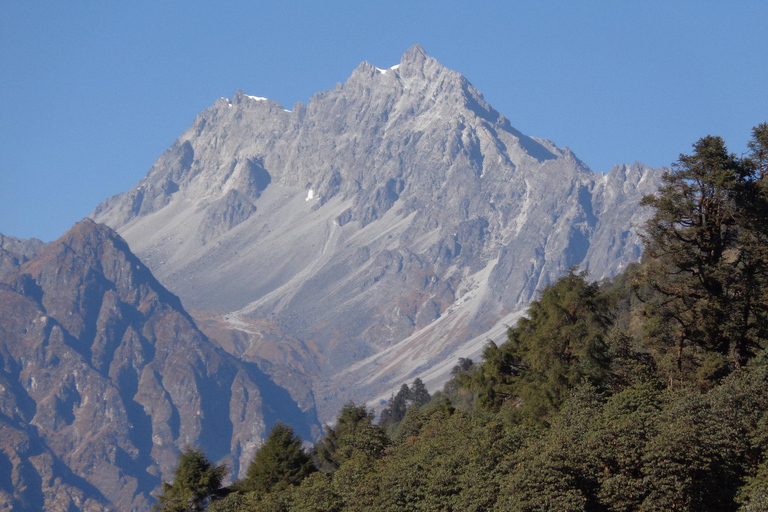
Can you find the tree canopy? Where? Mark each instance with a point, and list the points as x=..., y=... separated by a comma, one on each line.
x=703, y=276
x=279, y=463
x=559, y=344
x=196, y=481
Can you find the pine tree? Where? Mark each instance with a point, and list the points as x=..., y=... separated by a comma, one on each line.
x=704, y=262
x=558, y=345
x=464, y=364
x=354, y=433
x=419, y=393
x=493, y=380
x=758, y=147
x=280, y=462
x=394, y=412
x=196, y=481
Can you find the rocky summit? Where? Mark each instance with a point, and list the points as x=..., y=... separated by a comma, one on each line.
x=104, y=378
x=375, y=234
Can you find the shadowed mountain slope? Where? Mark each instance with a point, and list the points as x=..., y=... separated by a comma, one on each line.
x=105, y=377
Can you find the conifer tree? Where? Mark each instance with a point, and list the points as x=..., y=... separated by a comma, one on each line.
x=419, y=393
x=558, y=345
x=394, y=412
x=758, y=150
x=196, y=481
x=280, y=462
x=354, y=433
x=704, y=262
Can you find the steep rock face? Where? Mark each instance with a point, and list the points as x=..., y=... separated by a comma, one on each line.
x=14, y=252
x=397, y=220
x=105, y=378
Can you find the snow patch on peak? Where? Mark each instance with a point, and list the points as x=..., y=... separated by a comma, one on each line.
x=310, y=194
x=384, y=71
x=257, y=98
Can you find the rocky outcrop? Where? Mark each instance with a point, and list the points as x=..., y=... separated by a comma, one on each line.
x=14, y=252
x=404, y=219
x=104, y=378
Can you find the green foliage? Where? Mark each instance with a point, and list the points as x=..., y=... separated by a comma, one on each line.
x=754, y=495
x=394, y=412
x=758, y=150
x=556, y=471
x=693, y=462
x=356, y=482
x=642, y=449
x=272, y=502
x=629, y=366
x=280, y=462
x=354, y=432
x=457, y=391
x=645, y=447
x=448, y=466
x=419, y=393
x=464, y=365
x=315, y=494
x=628, y=421
x=196, y=481
x=411, y=426
x=561, y=343
x=406, y=399
x=493, y=380
x=235, y=502
x=704, y=271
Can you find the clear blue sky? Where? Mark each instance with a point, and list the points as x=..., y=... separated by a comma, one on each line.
x=92, y=92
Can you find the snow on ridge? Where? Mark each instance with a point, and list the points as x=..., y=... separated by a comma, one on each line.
x=310, y=194
x=257, y=98
x=393, y=68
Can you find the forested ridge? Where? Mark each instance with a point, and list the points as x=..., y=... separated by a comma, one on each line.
x=648, y=392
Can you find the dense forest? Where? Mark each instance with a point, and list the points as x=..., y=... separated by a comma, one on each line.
x=647, y=392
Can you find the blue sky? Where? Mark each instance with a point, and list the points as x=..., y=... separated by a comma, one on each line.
x=92, y=92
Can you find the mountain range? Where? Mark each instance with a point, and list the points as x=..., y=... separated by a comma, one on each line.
x=322, y=254
x=105, y=378
x=377, y=233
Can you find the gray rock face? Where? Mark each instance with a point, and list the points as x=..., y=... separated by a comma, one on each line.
x=104, y=378
x=377, y=233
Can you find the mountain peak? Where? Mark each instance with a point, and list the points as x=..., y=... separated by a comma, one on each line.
x=365, y=69
x=86, y=236
x=91, y=245
x=415, y=53
x=413, y=60
x=415, y=63
x=415, y=152
x=111, y=363
x=89, y=226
